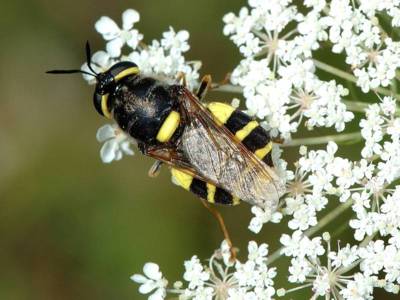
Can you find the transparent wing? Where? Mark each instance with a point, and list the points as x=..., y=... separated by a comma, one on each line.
x=215, y=154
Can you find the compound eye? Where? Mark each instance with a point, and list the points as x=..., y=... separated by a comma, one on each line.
x=123, y=69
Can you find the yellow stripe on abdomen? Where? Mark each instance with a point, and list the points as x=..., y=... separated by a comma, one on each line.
x=202, y=189
x=169, y=127
x=211, y=192
x=181, y=178
x=261, y=153
x=221, y=111
x=246, y=130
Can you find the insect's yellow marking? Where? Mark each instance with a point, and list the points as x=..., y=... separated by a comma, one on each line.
x=104, y=106
x=235, y=200
x=182, y=179
x=245, y=131
x=221, y=111
x=126, y=72
x=169, y=126
x=260, y=153
x=210, y=192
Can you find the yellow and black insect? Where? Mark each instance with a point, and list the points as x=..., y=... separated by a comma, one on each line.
x=215, y=151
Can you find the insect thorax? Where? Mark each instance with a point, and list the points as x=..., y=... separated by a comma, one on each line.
x=141, y=105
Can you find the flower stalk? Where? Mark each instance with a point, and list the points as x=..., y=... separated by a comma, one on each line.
x=346, y=76
x=352, y=137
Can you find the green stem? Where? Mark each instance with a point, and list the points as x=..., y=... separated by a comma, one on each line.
x=230, y=88
x=342, y=74
x=321, y=224
x=330, y=217
x=344, y=137
x=356, y=105
x=398, y=75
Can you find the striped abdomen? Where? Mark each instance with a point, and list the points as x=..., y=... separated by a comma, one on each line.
x=252, y=135
x=202, y=189
x=247, y=131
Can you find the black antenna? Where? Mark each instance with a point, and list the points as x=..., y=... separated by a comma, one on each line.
x=89, y=58
x=69, y=72
x=89, y=63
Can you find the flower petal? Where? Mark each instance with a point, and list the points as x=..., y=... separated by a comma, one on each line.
x=107, y=152
x=157, y=295
x=107, y=28
x=147, y=287
x=105, y=132
x=139, y=278
x=152, y=271
x=118, y=154
x=114, y=47
x=129, y=17
x=126, y=149
x=135, y=38
x=101, y=58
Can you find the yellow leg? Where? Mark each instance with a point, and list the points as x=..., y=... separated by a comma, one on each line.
x=224, y=81
x=221, y=223
x=181, y=78
x=155, y=169
x=278, y=141
x=205, y=84
x=143, y=45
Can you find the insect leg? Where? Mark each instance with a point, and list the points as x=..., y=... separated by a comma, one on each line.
x=221, y=223
x=155, y=169
x=204, y=86
x=279, y=141
x=181, y=78
x=224, y=81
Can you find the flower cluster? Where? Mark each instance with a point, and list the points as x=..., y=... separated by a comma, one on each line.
x=221, y=278
x=278, y=72
x=280, y=82
x=163, y=58
x=332, y=279
x=373, y=56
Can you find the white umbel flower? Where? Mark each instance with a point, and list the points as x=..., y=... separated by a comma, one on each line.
x=153, y=282
x=118, y=37
x=116, y=143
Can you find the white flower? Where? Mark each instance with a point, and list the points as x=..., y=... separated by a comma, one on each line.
x=303, y=218
x=322, y=284
x=258, y=254
x=195, y=274
x=261, y=217
x=344, y=256
x=358, y=289
x=175, y=42
x=252, y=279
x=116, y=143
x=117, y=37
x=152, y=281
x=299, y=270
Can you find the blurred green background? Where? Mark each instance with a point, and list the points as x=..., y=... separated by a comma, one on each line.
x=72, y=227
